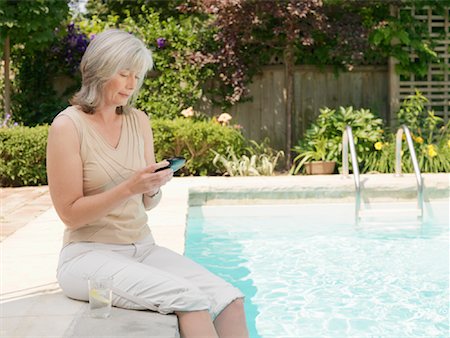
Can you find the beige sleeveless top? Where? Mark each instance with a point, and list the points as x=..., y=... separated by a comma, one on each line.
x=103, y=168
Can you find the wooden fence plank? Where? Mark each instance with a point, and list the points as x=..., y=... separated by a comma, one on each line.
x=264, y=115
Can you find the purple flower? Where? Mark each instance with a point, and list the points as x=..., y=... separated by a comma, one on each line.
x=161, y=42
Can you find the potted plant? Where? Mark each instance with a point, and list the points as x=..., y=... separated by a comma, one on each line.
x=322, y=140
x=315, y=158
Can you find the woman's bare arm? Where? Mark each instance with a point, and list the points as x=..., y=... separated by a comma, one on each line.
x=65, y=178
x=152, y=197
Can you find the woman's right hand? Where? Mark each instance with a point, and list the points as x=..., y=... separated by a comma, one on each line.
x=147, y=180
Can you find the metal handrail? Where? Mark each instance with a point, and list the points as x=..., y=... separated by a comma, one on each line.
x=398, y=161
x=347, y=139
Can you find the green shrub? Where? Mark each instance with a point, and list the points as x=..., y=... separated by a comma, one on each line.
x=323, y=139
x=23, y=149
x=39, y=73
x=22, y=156
x=256, y=160
x=430, y=137
x=176, y=80
x=431, y=157
x=194, y=140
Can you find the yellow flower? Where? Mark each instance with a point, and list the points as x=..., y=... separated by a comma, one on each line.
x=378, y=145
x=418, y=139
x=448, y=143
x=431, y=150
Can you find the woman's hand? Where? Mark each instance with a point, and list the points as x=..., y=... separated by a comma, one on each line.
x=147, y=181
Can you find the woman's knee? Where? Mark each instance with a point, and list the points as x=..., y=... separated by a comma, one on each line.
x=237, y=305
x=186, y=299
x=234, y=309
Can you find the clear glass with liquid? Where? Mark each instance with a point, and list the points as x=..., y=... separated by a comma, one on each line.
x=100, y=296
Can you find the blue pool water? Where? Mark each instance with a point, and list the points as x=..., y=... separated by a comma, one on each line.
x=308, y=271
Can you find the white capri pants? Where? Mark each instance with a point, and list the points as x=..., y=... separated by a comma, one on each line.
x=146, y=276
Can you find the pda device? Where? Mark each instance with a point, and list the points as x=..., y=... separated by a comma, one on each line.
x=175, y=163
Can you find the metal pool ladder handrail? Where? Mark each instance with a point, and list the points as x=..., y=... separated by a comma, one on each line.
x=398, y=161
x=347, y=139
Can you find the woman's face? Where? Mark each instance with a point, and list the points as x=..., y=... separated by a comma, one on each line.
x=119, y=88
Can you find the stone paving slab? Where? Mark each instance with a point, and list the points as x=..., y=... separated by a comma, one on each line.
x=32, y=305
x=19, y=206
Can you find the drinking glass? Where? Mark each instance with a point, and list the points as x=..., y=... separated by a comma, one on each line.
x=100, y=296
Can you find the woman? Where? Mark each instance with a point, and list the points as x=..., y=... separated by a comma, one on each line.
x=101, y=173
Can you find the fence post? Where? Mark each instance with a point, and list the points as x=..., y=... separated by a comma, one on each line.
x=289, y=86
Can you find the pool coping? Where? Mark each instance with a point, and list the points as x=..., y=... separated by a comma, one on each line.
x=323, y=188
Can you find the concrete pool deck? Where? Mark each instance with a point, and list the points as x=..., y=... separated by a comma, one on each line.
x=32, y=304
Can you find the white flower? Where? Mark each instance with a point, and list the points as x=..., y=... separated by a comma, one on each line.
x=188, y=112
x=224, y=118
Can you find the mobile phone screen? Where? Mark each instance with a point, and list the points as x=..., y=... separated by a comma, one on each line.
x=175, y=163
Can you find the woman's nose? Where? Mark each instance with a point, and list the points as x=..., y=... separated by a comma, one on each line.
x=131, y=83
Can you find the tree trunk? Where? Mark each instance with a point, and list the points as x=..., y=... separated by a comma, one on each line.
x=289, y=95
x=7, y=95
x=393, y=81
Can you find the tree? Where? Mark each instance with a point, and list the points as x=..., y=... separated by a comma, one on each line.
x=127, y=8
x=29, y=25
x=244, y=28
x=342, y=33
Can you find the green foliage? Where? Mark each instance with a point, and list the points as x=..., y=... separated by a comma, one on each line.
x=430, y=135
x=375, y=150
x=431, y=157
x=340, y=33
x=257, y=160
x=22, y=156
x=124, y=8
x=344, y=42
x=30, y=23
x=403, y=35
x=7, y=122
x=29, y=26
x=178, y=75
x=323, y=139
x=36, y=100
x=23, y=149
x=194, y=140
x=412, y=111
x=319, y=151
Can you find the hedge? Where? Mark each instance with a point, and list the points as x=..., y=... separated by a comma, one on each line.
x=194, y=140
x=23, y=149
x=22, y=156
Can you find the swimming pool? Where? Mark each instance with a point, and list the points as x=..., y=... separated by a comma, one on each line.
x=308, y=271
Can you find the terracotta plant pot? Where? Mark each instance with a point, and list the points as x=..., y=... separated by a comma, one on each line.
x=320, y=167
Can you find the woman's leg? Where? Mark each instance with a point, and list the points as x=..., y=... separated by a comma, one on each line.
x=196, y=324
x=230, y=323
x=226, y=301
x=135, y=286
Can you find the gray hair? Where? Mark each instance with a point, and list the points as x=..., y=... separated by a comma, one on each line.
x=109, y=52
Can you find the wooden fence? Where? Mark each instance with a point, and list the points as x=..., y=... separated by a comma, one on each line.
x=377, y=88
x=315, y=88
